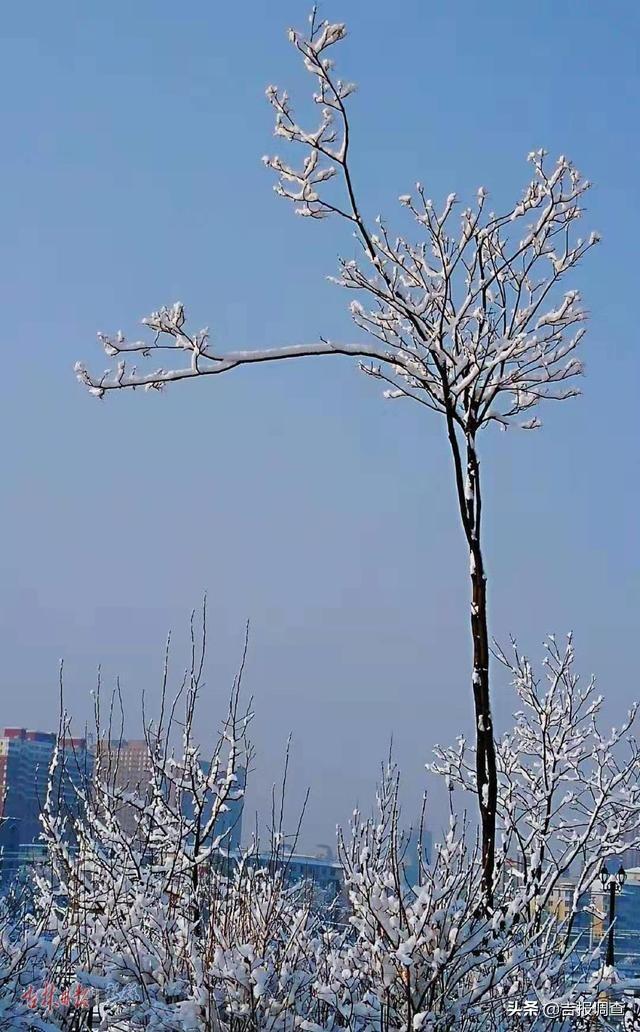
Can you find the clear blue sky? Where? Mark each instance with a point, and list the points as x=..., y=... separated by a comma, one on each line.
x=131, y=177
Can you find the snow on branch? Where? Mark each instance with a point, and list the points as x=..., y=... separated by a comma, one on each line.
x=170, y=931
x=469, y=316
x=568, y=793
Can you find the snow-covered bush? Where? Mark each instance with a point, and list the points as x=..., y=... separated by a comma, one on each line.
x=24, y=960
x=172, y=931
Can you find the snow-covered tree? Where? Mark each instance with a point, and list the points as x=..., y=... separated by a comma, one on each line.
x=128, y=906
x=430, y=957
x=468, y=315
x=568, y=797
x=173, y=932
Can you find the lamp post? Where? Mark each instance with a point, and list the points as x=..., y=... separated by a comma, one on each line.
x=612, y=882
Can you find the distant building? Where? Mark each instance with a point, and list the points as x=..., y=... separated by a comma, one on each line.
x=576, y=914
x=590, y=923
x=417, y=853
x=25, y=759
x=324, y=873
x=630, y=859
x=126, y=764
x=627, y=923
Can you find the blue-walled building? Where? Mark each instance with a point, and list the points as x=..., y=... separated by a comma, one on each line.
x=25, y=760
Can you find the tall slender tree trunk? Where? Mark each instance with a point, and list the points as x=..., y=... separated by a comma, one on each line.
x=487, y=781
x=470, y=504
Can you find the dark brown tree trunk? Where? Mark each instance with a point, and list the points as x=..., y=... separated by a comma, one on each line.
x=485, y=745
x=470, y=504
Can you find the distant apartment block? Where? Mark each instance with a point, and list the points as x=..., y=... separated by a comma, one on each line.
x=589, y=917
x=323, y=872
x=25, y=758
x=626, y=925
x=126, y=764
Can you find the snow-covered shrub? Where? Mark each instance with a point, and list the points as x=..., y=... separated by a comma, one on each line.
x=172, y=931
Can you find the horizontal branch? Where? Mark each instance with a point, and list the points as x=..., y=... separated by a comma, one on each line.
x=206, y=364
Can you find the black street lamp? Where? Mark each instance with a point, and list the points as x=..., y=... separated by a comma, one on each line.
x=612, y=882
